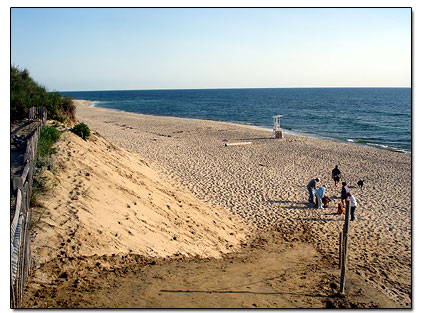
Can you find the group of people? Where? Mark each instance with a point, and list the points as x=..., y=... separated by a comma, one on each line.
x=346, y=195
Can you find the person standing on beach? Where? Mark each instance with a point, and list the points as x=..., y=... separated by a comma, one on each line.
x=353, y=205
x=320, y=194
x=312, y=185
x=345, y=191
x=336, y=175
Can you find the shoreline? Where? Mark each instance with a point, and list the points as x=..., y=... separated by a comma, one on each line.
x=299, y=133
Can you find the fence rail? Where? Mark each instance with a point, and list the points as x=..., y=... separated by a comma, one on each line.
x=38, y=113
x=20, y=252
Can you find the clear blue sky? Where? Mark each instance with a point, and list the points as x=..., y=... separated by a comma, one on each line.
x=103, y=49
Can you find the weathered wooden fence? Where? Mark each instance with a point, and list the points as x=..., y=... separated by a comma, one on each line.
x=38, y=113
x=20, y=253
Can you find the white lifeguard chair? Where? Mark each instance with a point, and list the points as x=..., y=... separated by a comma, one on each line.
x=277, y=131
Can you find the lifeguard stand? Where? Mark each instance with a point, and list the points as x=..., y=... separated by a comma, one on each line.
x=277, y=131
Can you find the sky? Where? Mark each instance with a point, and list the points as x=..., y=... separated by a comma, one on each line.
x=72, y=49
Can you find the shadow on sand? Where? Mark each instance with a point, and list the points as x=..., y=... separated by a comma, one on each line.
x=223, y=291
x=320, y=219
x=299, y=205
x=243, y=292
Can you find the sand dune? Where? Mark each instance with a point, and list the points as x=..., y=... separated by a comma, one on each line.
x=107, y=201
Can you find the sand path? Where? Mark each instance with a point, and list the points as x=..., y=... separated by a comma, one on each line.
x=268, y=273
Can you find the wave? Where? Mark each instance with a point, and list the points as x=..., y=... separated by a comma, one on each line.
x=386, y=147
x=377, y=145
x=301, y=131
x=94, y=103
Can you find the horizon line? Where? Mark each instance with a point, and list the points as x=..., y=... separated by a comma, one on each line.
x=232, y=88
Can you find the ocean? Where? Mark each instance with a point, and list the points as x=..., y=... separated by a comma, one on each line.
x=378, y=117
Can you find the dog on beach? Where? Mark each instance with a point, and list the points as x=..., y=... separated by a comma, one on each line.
x=340, y=209
x=325, y=202
x=361, y=183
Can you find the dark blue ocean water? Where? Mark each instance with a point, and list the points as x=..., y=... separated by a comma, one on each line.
x=379, y=117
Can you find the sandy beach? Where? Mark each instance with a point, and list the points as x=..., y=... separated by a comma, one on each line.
x=230, y=193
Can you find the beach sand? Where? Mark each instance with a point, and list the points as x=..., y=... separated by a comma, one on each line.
x=252, y=187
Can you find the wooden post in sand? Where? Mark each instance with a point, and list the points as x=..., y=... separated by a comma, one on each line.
x=340, y=248
x=344, y=246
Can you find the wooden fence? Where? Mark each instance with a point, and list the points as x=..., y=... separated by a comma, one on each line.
x=38, y=113
x=20, y=253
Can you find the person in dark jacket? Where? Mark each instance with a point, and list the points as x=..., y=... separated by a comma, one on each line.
x=344, y=195
x=312, y=186
x=336, y=175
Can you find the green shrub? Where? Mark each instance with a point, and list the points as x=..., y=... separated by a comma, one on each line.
x=68, y=108
x=39, y=186
x=81, y=130
x=26, y=93
x=49, y=135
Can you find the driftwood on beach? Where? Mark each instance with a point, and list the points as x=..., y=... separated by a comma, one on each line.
x=238, y=143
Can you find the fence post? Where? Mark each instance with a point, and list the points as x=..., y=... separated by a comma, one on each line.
x=340, y=249
x=344, y=249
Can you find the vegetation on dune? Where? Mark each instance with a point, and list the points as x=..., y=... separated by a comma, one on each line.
x=26, y=93
x=81, y=130
x=48, y=136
